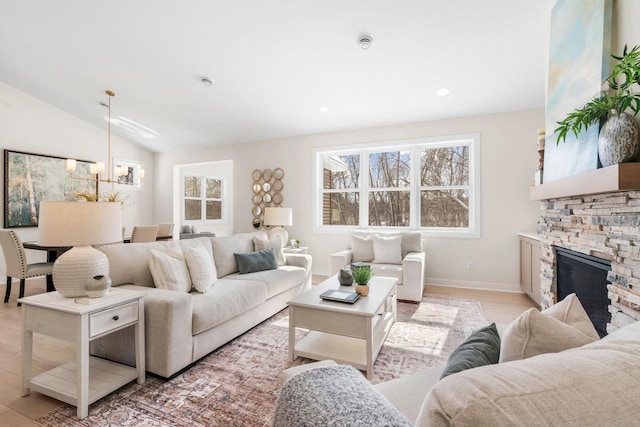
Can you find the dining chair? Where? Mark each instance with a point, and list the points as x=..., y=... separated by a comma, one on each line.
x=165, y=230
x=16, y=262
x=144, y=233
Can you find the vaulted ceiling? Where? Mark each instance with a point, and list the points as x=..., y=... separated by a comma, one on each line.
x=274, y=63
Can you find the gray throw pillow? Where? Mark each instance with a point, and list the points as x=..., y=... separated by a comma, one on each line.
x=480, y=348
x=251, y=262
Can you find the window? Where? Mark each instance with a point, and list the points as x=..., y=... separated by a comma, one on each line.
x=444, y=187
x=202, y=198
x=389, y=192
x=432, y=185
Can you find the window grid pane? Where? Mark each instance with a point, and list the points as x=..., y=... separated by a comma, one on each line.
x=192, y=186
x=214, y=188
x=341, y=172
x=192, y=209
x=444, y=208
x=341, y=208
x=389, y=208
x=390, y=169
x=444, y=166
x=214, y=210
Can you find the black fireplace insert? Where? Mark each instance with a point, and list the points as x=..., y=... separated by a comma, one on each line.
x=586, y=276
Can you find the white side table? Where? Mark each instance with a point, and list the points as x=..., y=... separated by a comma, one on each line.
x=298, y=250
x=86, y=379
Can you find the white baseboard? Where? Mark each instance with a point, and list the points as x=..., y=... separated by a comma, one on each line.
x=485, y=286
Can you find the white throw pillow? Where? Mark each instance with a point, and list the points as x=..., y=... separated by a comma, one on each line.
x=202, y=269
x=561, y=327
x=275, y=243
x=411, y=242
x=387, y=249
x=169, y=270
x=361, y=249
x=571, y=312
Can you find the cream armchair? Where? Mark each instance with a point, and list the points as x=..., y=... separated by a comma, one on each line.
x=400, y=255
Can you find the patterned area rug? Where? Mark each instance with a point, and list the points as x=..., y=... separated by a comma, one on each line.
x=237, y=385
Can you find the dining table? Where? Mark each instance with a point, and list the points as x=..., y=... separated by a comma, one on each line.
x=53, y=252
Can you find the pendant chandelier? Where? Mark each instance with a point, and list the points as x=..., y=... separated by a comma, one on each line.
x=97, y=169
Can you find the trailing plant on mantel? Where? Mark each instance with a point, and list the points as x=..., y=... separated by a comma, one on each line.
x=618, y=97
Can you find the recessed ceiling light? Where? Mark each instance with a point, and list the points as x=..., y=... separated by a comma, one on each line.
x=365, y=42
x=443, y=91
x=207, y=81
x=323, y=109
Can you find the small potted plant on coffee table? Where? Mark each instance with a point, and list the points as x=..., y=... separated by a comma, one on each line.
x=362, y=275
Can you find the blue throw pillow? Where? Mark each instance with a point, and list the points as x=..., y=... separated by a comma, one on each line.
x=481, y=348
x=251, y=262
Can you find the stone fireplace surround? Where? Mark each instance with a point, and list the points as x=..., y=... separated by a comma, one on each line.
x=605, y=225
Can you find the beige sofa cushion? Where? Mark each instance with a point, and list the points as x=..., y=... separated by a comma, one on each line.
x=202, y=269
x=276, y=281
x=388, y=270
x=411, y=242
x=169, y=269
x=361, y=249
x=225, y=300
x=225, y=247
x=129, y=262
x=275, y=243
x=563, y=326
x=571, y=312
x=593, y=385
x=387, y=249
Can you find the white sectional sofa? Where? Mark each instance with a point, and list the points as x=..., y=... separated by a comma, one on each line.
x=555, y=383
x=182, y=327
x=400, y=255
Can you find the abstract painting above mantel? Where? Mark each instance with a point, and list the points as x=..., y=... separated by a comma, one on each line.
x=30, y=178
x=579, y=55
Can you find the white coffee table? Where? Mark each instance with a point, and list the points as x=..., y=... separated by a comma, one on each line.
x=347, y=333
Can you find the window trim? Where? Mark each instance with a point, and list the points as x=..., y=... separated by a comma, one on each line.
x=203, y=198
x=414, y=146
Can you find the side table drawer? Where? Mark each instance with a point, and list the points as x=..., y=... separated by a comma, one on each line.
x=113, y=318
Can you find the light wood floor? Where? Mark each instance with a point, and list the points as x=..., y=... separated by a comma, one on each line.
x=15, y=410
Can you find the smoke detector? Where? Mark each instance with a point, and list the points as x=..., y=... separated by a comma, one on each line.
x=365, y=42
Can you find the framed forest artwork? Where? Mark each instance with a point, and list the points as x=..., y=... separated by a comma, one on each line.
x=30, y=178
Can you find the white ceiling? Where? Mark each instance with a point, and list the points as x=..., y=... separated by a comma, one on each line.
x=274, y=62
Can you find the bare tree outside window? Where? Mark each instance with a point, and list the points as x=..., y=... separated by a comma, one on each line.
x=389, y=195
x=202, y=198
x=192, y=198
x=444, y=194
x=426, y=184
x=214, y=199
x=340, y=198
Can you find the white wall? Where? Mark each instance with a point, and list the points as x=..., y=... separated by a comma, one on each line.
x=31, y=125
x=508, y=162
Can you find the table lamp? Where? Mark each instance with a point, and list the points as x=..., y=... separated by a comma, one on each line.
x=277, y=218
x=79, y=225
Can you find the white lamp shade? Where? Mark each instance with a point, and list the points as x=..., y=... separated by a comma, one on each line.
x=278, y=216
x=79, y=223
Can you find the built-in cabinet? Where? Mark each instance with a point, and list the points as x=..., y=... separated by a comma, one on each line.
x=530, y=254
